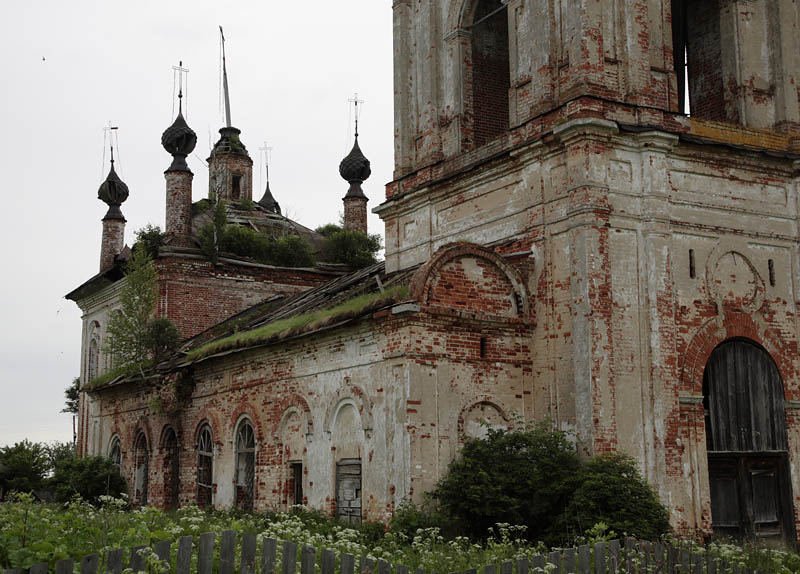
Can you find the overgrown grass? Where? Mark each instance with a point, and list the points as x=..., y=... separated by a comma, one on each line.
x=294, y=326
x=109, y=376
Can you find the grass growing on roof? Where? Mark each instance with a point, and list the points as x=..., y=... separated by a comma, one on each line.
x=292, y=326
x=109, y=376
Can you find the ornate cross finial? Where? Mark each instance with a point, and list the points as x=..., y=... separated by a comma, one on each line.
x=265, y=149
x=109, y=132
x=355, y=101
x=181, y=72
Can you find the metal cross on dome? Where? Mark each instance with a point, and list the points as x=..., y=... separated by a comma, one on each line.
x=355, y=101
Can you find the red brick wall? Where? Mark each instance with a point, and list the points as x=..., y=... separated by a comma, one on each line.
x=706, y=94
x=197, y=294
x=355, y=214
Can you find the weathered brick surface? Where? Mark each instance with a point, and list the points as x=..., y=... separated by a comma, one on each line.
x=179, y=207
x=355, y=213
x=112, y=242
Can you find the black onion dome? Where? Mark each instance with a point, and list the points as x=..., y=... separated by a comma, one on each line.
x=355, y=167
x=268, y=202
x=114, y=192
x=179, y=140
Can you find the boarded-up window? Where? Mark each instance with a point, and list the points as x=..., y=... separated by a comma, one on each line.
x=348, y=490
x=245, y=465
x=141, y=463
x=296, y=478
x=205, y=467
x=747, y=444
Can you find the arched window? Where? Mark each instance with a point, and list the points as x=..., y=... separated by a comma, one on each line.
x=140, y=476
x=114, y=452
x=490, y=70
x=93, y=354
x=171, y=470
x=245, y=465
x=205, y=467
x=747, y=444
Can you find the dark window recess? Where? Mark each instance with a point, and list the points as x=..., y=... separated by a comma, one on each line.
x=348, y=490
x=245, y=465
x=692, y=272
x=296, y=474
x=236, y=187
x=490, y=70
x=483, y=347
x=748, y=461
x=205, y=467
x=115, y=453
x=697, y=58
x=771, y=264
x=140, y=478
x=171, y=470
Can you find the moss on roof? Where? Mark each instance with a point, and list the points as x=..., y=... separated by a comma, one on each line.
x=297, y=325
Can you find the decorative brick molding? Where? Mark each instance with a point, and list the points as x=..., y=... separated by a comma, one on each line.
x=733, y=325
x=425, y=281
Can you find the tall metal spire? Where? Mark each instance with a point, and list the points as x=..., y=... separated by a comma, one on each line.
x=225, y=82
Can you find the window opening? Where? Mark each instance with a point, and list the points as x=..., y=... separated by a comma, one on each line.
x=245, y=465
x=692, y=272
x=140, y=478
x=171, y=469
x=115, y=453
x=490, y=70
x=205, y=467
x=483, y=347
x=236, y=190
x=296, y=472
x=771, y=265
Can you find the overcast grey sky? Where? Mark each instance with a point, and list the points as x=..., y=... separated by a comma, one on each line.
x=68, y=68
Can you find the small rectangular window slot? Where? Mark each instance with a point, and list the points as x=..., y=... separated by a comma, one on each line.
x=483, y=347
x=771, y=264
x=692, y=272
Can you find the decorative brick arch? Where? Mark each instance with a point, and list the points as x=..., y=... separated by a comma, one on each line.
x=142, y=426
x=247, y=410
x=294, y=404
x=459, y=14
x=163, y=435
x=733, y=325
x=425, y=279
x=211, y=418
x=349, y=394
x=498, y=405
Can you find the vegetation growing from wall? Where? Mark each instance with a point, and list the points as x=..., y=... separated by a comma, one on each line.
x=150, y=238
x=217, y=237
x=349, y=247
x=294, y=326
x=136, y=338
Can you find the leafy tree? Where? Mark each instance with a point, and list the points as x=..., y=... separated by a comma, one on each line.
x=88, y=477
x=23, y=467
x=348, y=246
x=72, y=395
x=211, y=234
x=135, y=337
x=612, y=490
x=149, y=238
x=291, y=251
x=519, y=477
x=58, y=451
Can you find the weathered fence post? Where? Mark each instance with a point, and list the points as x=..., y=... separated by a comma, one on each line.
x=328, y=562
x=348, y=564
x=269, y=552
x=137, y=562
x=205, y=553
x=308, y=560
x=247, y=562
x=183, y=560
x=114, y=561
x=289, y=558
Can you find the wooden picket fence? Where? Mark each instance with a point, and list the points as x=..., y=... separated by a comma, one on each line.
x=631, y=557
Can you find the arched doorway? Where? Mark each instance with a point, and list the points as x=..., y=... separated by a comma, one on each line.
x=748, y=461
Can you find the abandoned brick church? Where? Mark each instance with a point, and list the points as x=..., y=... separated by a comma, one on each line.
x=563, y=241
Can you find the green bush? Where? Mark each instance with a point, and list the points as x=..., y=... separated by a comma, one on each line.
x=150, y=238
x=23, y=467
x=89, y=478
x=408, y=519
x=612, y=490
x=350, y=247
x=520, y=477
